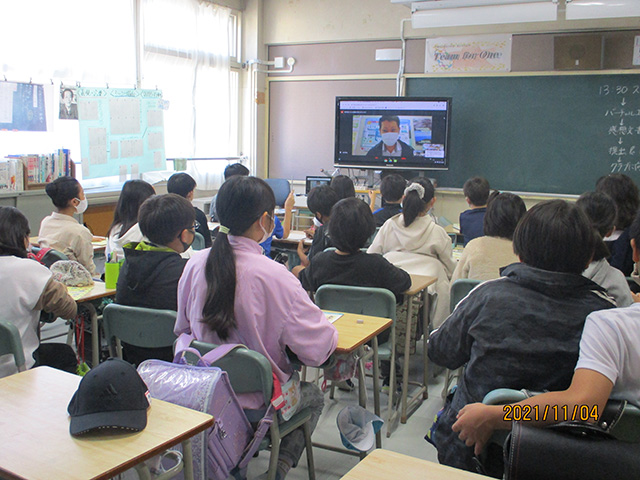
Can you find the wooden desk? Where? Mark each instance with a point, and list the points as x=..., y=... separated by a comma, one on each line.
x=84, y=296
x=419, y=285
x=352, y=334
x=36, y=443
x=292, y=240
x=351, y=337
x=99, y=243
x=384, y=464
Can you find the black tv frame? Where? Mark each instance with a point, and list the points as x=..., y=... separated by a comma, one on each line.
x=416, y=163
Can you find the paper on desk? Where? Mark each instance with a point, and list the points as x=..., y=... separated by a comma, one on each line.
x=78, y=292
x=296, y=236
x=332, y=316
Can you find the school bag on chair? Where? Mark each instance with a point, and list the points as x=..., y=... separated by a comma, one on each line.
x=231, y=442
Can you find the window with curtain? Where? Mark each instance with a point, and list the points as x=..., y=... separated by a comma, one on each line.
x=188, y=47
x=91, y=42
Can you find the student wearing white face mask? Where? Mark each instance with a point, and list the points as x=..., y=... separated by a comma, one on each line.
x=60, y=230
x=390, y=145
x=320, y=201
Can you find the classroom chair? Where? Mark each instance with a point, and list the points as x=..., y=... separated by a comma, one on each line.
x=627, y=429
x=198, y=241
x=142, y=327
x=250, y=372
x=459, y=289
x=10, y=343
x=378, y=302
x=281, y=189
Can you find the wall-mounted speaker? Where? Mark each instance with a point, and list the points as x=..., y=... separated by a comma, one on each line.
x=578, y=52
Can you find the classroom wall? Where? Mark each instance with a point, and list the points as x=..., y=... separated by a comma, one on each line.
x=334, y=44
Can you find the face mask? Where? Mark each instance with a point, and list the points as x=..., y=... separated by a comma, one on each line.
x=390, y=138
x=267, y=235
x=187, y=245
x=317, y=222
x=82, y=206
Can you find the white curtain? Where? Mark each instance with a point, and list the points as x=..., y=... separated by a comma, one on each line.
x=90, y=41
x=186, y=55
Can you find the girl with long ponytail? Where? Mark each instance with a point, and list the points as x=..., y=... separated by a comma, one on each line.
x=412, y=241
x=232, y=293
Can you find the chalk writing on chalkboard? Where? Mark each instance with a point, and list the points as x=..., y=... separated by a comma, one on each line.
x=624, y=129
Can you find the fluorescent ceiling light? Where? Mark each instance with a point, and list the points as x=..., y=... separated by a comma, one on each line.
x=535, y=11
x=595, y=9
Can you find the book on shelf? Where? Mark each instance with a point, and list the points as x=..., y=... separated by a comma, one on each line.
x=34, y=171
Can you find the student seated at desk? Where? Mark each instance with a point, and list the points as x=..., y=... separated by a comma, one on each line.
x=230, y=171
x=60, y=230
x=626, y=196
x=151, y=270
x=601, y=210
x=280, y=231
x=476, y=193
x=412, y=241
x=184, y=185
x=343, y=186
x=483, y=257
x=392, y=190
x=232, y=293
x=523, y=329
x=352, y=225
x=27, y=288
x=320, y=201
x=608, y=367
x=124, y=228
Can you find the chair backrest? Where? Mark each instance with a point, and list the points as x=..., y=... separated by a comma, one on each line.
x=460, y=289
x=50, y=257
x=198, y=241
x=10, y=342
x=249, y=371
x=378, y=302
x=142, y=327
x=280, y=187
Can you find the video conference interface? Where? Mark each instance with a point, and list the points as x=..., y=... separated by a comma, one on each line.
x=411, y=133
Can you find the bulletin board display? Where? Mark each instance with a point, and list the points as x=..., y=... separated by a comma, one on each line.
x=22, y=107
x=121, y=131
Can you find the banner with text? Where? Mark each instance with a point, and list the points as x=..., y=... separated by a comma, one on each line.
x=487, y=53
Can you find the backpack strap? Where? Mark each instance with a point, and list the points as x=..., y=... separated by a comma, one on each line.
x=39, y=255
x=183, y=346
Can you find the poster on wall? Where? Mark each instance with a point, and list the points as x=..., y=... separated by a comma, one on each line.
x=121, y=131
x=68, y=103
x=22, y=107
x=482, y=53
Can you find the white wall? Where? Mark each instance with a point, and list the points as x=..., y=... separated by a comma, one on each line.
x=316, y=21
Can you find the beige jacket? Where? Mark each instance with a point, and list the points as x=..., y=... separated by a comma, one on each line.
x=483, y=257
x=65, y=234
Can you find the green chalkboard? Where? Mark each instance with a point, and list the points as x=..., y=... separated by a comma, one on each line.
x=539, y=133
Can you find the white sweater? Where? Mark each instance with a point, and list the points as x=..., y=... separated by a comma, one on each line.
x=423, y=248
x=22, y=282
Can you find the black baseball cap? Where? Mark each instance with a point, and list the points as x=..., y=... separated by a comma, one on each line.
x=110, y=396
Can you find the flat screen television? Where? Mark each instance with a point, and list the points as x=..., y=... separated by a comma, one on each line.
x=392, y=132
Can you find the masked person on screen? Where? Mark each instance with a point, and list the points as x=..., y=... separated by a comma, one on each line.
x=390, y=145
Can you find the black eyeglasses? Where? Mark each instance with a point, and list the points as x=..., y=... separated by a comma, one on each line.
x=195, y=226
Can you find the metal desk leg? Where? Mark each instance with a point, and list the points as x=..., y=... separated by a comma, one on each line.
x=362, y=388
x=425, y=340
x=405, y=367
x=187, y=458
x=376, y=389
x=95, y=334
